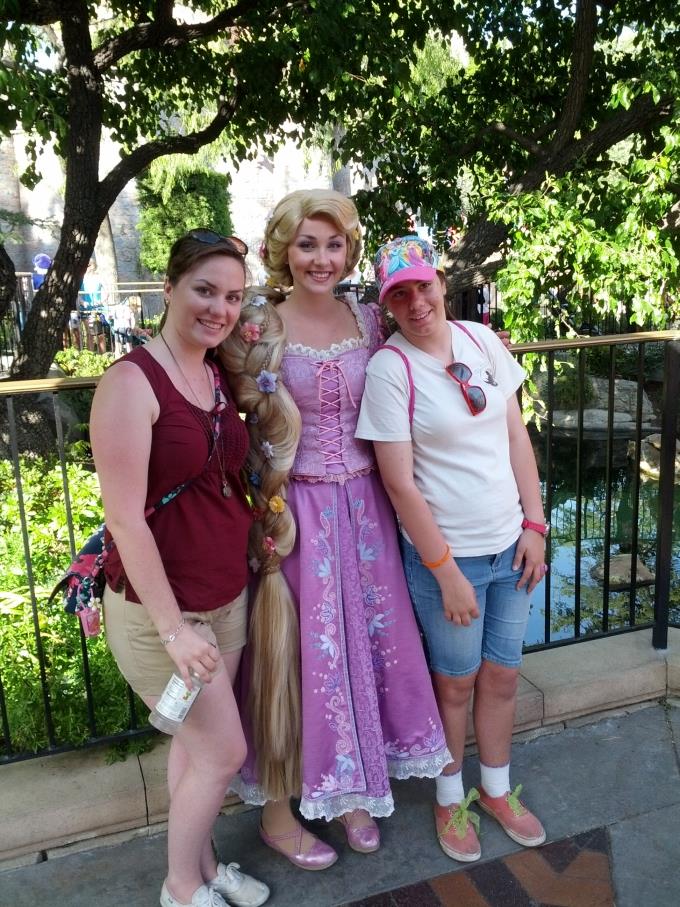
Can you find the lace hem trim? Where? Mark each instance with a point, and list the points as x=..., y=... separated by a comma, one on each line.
x=335, y=349
x=334, y=806
x=419, y=766
x=332, y=478
x=252, y=794
x=330, y=808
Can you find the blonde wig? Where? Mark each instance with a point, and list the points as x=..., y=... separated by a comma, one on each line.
x=285, y=222
x=252, y=355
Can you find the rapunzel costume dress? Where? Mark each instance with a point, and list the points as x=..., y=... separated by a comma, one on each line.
x=368, y=708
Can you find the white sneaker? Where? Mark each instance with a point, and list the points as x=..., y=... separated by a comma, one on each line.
x=242, y=890
x=202, y=897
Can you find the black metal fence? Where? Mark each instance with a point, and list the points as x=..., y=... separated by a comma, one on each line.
x=608, y=490
x=123, y=319
x=608, y=484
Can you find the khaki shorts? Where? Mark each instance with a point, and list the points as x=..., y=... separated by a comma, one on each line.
x=141, y=657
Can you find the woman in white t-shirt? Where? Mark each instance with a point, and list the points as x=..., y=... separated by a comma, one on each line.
x=456, y=460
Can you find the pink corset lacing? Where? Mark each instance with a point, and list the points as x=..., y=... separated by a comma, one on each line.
x=329, y=372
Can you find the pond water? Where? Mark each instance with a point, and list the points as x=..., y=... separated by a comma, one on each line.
x=593, y=516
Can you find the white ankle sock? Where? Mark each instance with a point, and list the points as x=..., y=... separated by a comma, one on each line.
x=495, y=781
x=450, y=789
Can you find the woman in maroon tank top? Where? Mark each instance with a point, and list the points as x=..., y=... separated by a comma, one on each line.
x=175, y=599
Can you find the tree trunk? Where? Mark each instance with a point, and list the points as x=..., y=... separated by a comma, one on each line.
x=8, y=282
x=342, y=177
x=83, y=208
x=477, y=257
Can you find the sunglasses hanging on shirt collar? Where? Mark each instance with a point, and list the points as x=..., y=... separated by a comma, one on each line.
x=473, y=395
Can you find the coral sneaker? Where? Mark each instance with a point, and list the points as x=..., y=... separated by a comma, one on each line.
x=515, y=819
x=455, y=832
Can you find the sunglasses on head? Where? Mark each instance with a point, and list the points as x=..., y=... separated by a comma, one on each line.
x=211, y=238
x=473, y=394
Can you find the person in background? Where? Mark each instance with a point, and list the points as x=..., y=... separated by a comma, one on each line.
x=176, y=597
x=363, y=709
x=91, y=309
x=456, y=460
x=41, y=265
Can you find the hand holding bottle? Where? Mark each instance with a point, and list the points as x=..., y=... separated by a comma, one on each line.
x=195, y=657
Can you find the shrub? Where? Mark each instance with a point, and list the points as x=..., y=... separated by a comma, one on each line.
x=81, y=364
x=627, y=361
x=566, y=389
x=195, y=199
x=59, y=632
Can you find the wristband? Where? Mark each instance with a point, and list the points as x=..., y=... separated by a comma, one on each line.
x=432, y=565
x=541, y=528
x=175, y=633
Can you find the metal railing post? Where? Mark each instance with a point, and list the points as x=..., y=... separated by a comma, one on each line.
x=669, y=418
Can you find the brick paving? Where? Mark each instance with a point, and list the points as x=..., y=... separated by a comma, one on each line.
x=575, y=872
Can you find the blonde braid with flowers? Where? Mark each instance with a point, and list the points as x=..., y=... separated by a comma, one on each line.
x=252, y=355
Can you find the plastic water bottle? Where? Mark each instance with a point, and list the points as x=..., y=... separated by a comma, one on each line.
x=173, y=706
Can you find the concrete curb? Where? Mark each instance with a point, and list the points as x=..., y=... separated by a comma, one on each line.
x=55, y=804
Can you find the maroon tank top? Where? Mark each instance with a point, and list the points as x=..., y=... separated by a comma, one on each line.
x=202, y=536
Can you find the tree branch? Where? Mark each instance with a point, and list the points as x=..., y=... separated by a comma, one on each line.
x=163, y=11
x=138, y=160
x=642, y=113
x=502, y=129
x=165, y=33
x=585, y=28
x=671, y=219
x=479, y=254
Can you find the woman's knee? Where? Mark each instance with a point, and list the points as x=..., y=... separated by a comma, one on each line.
x=236, y=756
x=497, y=680
x=218, y=750
x=222, y=763
x=454, y=691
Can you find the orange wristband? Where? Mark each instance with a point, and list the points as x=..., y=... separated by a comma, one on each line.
x=432, y=565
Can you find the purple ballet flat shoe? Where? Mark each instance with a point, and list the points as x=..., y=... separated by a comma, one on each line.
x=319, y=856
x=362, y=838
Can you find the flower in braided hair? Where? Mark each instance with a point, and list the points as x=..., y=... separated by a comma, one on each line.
x=276, y=504
x=250, y=332
x=266, y=382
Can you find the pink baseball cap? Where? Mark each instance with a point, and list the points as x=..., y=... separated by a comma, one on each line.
x=405, y=258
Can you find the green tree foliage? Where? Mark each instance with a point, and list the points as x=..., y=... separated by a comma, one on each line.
x=194, y=199
x=553, y=142
x=141, y=71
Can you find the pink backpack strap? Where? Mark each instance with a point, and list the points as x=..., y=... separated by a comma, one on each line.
x=404, y=358
x=411, y=388
x=461, y=326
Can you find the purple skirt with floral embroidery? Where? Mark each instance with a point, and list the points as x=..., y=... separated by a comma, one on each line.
x=369, y=710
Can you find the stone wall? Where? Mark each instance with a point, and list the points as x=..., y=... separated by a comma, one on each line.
x=255, y=188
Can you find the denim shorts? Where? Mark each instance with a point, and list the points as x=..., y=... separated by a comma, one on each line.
x=496, y=635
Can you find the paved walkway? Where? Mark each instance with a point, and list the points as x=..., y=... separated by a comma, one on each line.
x=611, y=787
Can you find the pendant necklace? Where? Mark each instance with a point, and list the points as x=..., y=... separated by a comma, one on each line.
x=226, y=487
x=215, y=418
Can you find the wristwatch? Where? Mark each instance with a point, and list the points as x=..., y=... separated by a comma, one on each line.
x=541, y=528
